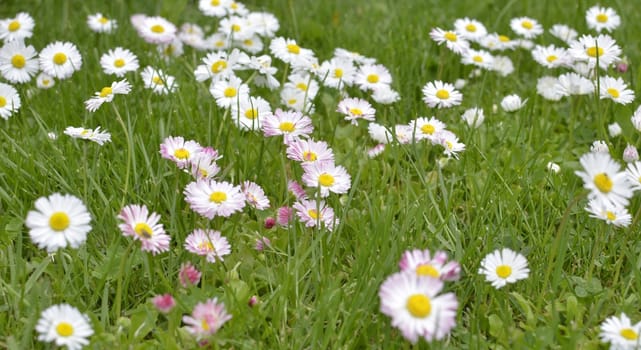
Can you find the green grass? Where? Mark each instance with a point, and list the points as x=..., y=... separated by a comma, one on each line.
x=319, y=289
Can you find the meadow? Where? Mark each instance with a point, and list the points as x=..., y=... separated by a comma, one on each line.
x=312, y=278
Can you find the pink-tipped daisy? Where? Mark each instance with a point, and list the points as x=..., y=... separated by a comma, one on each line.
x=423, y=263
x=211, y=198
x=327, y=177
x=144, y=227
x=208, y=243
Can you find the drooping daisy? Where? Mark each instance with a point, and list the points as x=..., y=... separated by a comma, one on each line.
x=254, y=195
x=214, y=8
x=288, y=51
x=17, y=28
x=58, y=221
x=297, y=190
x=337, y=73
x=452, y=39
x=208, y=243
x=159, y=82
x=615, y=89
x=97, y=136
x=211, y=198
x=17, y=62
x=315, y=213
x=291, y=125
x=371, y=77
x=564, y=33
x=119, y=61
x=106, y=94
x=64, y=325
x=451, y=143
x=611, y=214
x=44, y=81
x=427, y=128
x=603, y=178
x=573, y=84
x=327, y=177
x=588, y=48
x=9, y=100
x=526, y=27
x=512, y=103
x=470, y=29
x=206, y=318
x=416, y=307
x=546, y=86
x=474, y=117
x=265, y=71
x=144, y=227
x=600, y=18
x=285, y=216
x=504, y=266
x=229, y=91
x=179, y=151
x=249, y=112
x=60, y=59
x=479, y=58
x=203, y=163
x=423, y=263
x=441, y=95
x=308, y=151
x=156, y=30
x=101, y=24
x=551, y=56
x=621, y=333
x=636, y=119
x=265, y=24
x=355, y=109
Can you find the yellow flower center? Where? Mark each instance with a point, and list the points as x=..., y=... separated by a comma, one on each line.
x=217, y=197
x=594, y=52
x=551, y=58
x=157, y=80
x=13, y=26
x=206, y=246
x=64, y=329
x=326, y=180
x=45, y=82
x=234, y=6
x=3, y=101
x=18, y=61
x=229, y=92
x=419, y=305
x=477, y=59
x=248, y=42
x=293, y=48
x=292, y=101
x=181, y=153
x=286, y=126
x=119, y=63
x=219, y=43
x=613, y=92
x=428, y=129
x=601, y=18
x=338, y=73
x=215, y=2
x=251, y=113
x=629, y=334
x=218, y=66
x=235, y=28
x=427, y=270
x=59, y=58
x=610, y=215
x=504, y=38
x=157, y=28
x=204, y=325
x=503, y=271
x=312, y=214
x=103, y=20
x=310, y=156
x=372, y=78
x=143, y=230
x=355, y=111
x=470, y=28
x=443, y=94
x=450, y=36
x=603, y=182
x=527, y=25
x=59, y=221
x=106, y=91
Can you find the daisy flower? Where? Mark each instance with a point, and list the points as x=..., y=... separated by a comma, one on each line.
x=308, y=151
x=179, y=151
x=206, y=318
x=203, y=163
x=337, y=73
x=101, y=24
x=423, y=263
x=573, y=84
x=164, y=303
x=17, y=62
x=159, y=82
x=599, y=146
x=512, y=103
x=380, y=133
x=288, y=51
x=615, y=89
x=611, y=214
x=502, y=65
x=371, y=77
x=588, y=48
x=526, y=27
x=296, y=100
x=296, y=189
x=614, y=129
x=229, y=92
x=64, y=325
x=416, y=307
x=60, y=59
x=171, y=49
x=265, y=24
x=441, y=95
x=564, y=33
x=452, y=39
x=553, y=167
x=219, y=65
x=504, y=266
x=427, y=128
x=621, y=333
x=253, y=44
x=479, y=58
x=474, y=117
x=214, y=8
x=254, y=195
x=470, y=29
x=327, y=177
x=451, y=143
x=265, y=72
x=600, y=18
x=385, y=95
x=633, y=174
x=97, y=136
x=58, y=221
x=144, y=227
x=188, y=275
x=495, y=41
x=156, y=30
x=630, y=154
x=208, y=243
x=119, y=61
x=17, y=28
x=9, y=100
x=192, y=35
x=355, y=109
x=303, y=83
x=603, y=178
x=236, y=28
x=291, y=125
x=249, y=112
x=313, y=213
x=211, y=198
x=285, y=216
x=44, y=81
x=376, y=150
x=106, y=94
x=551, y=56
x=546, y=86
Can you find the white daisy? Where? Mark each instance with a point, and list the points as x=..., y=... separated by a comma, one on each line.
x=9, y=100
x=156, y=30
x=474, y=117
x=107, y=93
x=452, y=39
x=254, y=195
x=249, y=112
x=304, y=83
x=633, y=174
x=526, y=27
x=214, y=8
x=512, y=103
x=502, y=65
x=551, y=56
x=621, y=333
x=587, y=48
x=119, y=61
x=427, y=128
x=158, y=81
x=265, y=72
x=17, y=62
x=371, y=77
x=101, y=24
x=60, y=59
x=337, y=73
x=17, y=28
x=600, y=18
x=208, y=243
x=288, y=51
x=611, y=214
x=564, y=33
x=211, y=198
x=45, y=81
x=97, y=136
x=265, y=24
x=504, y=266
x=546, y=86
x=355, y=109
x=479, y=58
x=603, y=178
x=450, y=142
x=327, y=177
x=385, y=95
x=64, y=325
x=441, y=95
x=179, y=151
x=236, y=28
x=573, y=84
x=229, y=92
x=470, y=29
x=615, y=89
x=253, y=44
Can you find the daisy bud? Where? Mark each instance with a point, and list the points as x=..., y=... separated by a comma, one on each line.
x=553, y=167
x=262, y=243
x=188, y=275
x=285, y=215
x=252, y=301
x=269, y=222
x=630, y=154
x=164, y=303
x=614, y=129
x=599, y=146
x=622, y=67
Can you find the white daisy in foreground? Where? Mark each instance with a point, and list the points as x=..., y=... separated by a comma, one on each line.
x=60, y=59
x=58, y=221
x=230, y=91
x=64, y=325
x=9, y=100
x=603, y=178
x=526, y=27
x=611, y=214
x=212, y=198
x=441, y=95
x=97, y=136
x=45, y=81
x=512, y=103
x=416, y=307
x=600, y=18
x=355, y=109
x=17, y=62
x=327, y=177
x=588, y=48
x=159, y=82
x=101, y=24
x=144, y=227
x=107, y=94
x=17, y=28
x=621, y=333
x=119, y=61
x=504, y=266
x=615, y=89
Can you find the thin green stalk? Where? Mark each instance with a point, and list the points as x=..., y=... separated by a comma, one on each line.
x=121, y=272
x=130, y=151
